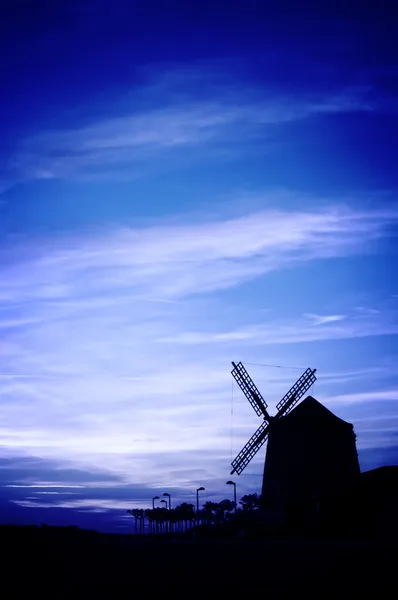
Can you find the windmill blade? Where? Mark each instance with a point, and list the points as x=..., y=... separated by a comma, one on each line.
x=298, y=390
x=250, y=449
x=249, y=389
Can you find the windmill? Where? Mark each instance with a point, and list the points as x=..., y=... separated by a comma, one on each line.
x=288, y=402
x=310, y=450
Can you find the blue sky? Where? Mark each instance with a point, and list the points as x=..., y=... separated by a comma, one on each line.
x=180, y=188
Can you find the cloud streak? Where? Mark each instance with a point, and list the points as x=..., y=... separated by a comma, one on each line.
x=123, y=146
x=374, y=396
x=94, y=374
x=289, y=333
x=323, y=319
x=172, y=261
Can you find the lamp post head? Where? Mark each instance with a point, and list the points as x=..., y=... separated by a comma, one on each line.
x=201, y=489
x=230, y=483
x=165, y=501
x=166, y=494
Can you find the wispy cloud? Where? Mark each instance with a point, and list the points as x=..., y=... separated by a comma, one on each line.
x=172, y=261
x=322, y=319
x=94, y=374
x=100, y=505
x=46, y=485
x=175, y=121
x=295, y=332
x=377, y=395
x=375, y=372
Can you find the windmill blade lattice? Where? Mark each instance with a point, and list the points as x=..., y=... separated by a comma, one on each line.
x=288, y=402
x=250, y=449
x=291, y=398
x=249, y=389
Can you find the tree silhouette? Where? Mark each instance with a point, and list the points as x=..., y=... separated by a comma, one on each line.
x=250, y=502
x=135, y=512
x=185, y=514
x=182, y=518
x=223, y=509
x=210, y=511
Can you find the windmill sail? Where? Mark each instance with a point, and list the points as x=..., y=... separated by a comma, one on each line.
x=250, y=449
x=259, y=405
x=291, y=398
x=249, y=389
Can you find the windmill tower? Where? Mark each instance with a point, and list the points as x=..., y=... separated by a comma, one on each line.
x=310, y=451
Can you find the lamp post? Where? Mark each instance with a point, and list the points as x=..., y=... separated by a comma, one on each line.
x=201, y=489
x=169, y=497
x=234, y=484
x=153, y=501
x=165, y=501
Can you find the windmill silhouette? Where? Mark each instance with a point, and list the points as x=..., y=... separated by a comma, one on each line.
x=288, y=402
x=310, y=450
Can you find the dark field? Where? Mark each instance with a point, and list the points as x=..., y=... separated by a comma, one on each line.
x=58, y=563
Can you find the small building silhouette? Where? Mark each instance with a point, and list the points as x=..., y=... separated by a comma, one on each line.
x=311, y=455
x=375, y=505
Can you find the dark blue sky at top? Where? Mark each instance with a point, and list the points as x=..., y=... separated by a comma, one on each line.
x=68, y=66
x=57, y=56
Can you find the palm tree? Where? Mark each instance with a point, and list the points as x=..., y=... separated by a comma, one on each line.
x=180, y=514
x=186, y=514
x=201, y=517
x=149, y=518
x=157, y=515
x=250, y=502
x=141, y=516
x=210, y=511
x=223, y=508
x=173, y=519
x=190, y=514
x=177, y=518
x=135, y=512
x=163, y=519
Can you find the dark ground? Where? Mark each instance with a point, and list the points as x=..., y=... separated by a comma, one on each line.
x=63, y=563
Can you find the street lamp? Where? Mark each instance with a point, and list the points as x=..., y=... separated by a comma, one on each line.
x=165, y=501
x=153, y=501
x=234, y=484
x=201, y=489
x=169, y=497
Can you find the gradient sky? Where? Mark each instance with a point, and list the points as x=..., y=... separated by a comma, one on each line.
x=182, y=187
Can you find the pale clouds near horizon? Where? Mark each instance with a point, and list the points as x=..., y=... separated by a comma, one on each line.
x=116, y=346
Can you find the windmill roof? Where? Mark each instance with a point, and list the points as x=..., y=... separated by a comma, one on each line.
x=310, y=408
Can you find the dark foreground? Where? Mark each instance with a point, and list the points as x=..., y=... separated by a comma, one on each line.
x=62, y=563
